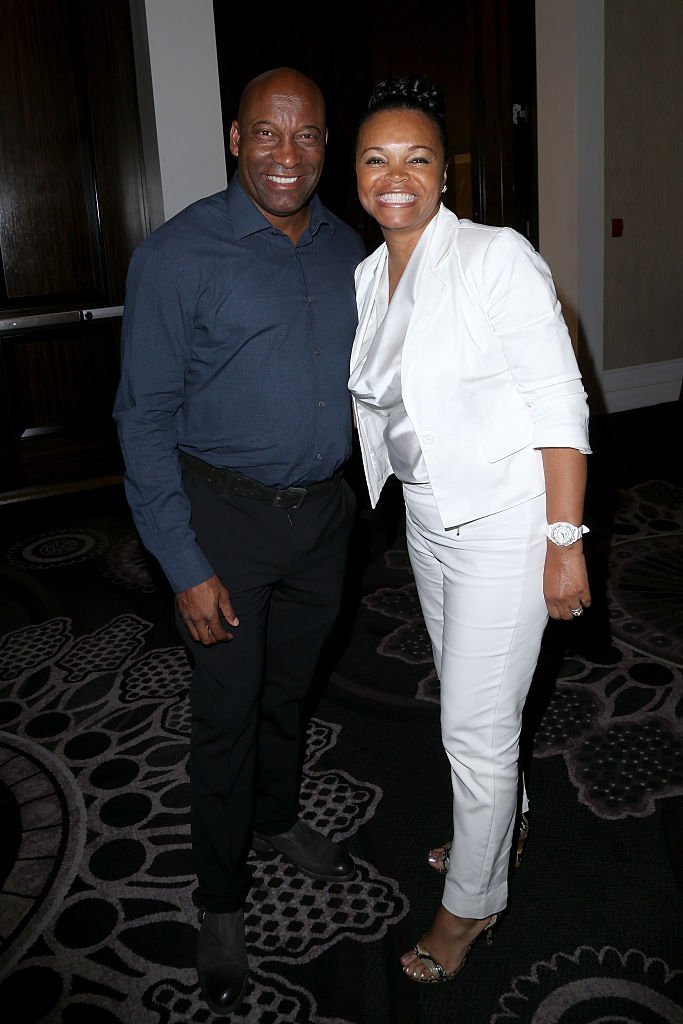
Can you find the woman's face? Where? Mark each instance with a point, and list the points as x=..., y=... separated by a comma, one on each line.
x=400, y=170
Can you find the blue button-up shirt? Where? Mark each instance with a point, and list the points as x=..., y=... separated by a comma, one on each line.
x=235, y=348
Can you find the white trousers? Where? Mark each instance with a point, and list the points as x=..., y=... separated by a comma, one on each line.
x=481, y=590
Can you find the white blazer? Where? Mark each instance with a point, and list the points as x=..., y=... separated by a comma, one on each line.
x=488, y=372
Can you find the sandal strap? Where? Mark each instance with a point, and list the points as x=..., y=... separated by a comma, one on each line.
x=437, y=971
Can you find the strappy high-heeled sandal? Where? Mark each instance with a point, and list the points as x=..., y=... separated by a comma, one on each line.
x=445, y=850
x=437, y=973
x=521, y=839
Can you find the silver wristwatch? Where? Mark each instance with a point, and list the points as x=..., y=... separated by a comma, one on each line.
x=564, y=534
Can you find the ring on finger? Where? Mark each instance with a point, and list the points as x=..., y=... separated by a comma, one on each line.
x=577, y=612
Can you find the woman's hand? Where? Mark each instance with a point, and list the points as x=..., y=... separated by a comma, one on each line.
x=565, y=581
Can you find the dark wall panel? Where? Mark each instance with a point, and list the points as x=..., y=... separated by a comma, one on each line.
x=72, y=209
x=48, y=234
x=471, y=48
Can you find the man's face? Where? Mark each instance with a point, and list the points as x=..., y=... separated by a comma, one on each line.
x=279, y=141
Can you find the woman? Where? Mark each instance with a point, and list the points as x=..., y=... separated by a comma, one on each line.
x=466, y=387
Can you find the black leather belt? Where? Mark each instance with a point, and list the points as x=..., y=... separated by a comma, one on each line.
x=227, y=481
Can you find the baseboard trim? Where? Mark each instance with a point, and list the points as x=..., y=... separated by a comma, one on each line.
x=637, y=386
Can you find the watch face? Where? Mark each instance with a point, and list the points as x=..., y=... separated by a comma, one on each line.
x=563, y=535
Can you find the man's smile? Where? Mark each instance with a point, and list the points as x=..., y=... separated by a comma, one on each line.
x=279, y=180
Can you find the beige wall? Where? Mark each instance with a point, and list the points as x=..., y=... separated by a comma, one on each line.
x=643, y=181
x=570, y=78
x=557, y=150
x=610, y=110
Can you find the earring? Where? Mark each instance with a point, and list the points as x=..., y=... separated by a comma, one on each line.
x=444, y=189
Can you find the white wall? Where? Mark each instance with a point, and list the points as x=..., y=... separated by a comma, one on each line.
x=180, y=108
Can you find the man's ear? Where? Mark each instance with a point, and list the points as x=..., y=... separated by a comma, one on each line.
x=234, y=138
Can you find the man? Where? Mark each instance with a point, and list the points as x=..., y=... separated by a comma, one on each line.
x=234, y=422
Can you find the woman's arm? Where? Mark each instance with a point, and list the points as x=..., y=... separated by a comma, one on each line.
x=565, y=579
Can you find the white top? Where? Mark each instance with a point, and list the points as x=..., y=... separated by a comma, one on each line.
x=376, y=380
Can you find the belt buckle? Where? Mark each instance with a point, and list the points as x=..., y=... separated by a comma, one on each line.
x=291, y=498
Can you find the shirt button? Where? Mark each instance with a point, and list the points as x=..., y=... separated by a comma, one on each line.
x=321, y=404
x=428, y=439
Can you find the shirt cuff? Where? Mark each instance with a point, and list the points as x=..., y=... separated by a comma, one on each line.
x=185, y=569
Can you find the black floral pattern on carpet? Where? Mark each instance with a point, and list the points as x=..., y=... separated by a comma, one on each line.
x=97, y=918
x=98, y=898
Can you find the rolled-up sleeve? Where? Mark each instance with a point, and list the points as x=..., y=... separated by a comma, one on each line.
x=524, y=311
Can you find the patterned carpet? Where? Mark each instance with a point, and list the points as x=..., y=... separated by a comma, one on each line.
x=97, y=921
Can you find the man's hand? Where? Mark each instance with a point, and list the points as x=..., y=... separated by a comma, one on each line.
x=199, y=607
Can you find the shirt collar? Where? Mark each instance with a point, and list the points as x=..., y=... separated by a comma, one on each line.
x=248, y=219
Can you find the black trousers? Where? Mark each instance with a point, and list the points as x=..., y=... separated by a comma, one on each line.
x=285, y=574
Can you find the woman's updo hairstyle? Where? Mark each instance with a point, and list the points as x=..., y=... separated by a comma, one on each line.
x=410, y=92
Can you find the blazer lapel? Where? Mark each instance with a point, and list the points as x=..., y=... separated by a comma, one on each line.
x=431, y=292
x=432, y=289
x=368, y=283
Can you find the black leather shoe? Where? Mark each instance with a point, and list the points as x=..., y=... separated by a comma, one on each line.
x=222, y=965
x=310, y=852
